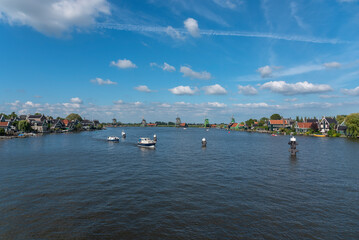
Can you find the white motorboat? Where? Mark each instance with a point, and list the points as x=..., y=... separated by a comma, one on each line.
x=123, y=134
x=146, y=142
x=113, y=138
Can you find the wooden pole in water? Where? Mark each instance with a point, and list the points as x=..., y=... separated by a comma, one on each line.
x=293, y=146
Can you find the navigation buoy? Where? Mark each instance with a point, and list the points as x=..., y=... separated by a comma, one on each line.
x=204, y=142
x=293, y=146
x=155, y=137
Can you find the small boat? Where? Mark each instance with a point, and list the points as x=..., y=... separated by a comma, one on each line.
x=113, y=138
x=319, y=135
x=184, y=128
x=274, y=135
x=123, y=134
x=146, y=142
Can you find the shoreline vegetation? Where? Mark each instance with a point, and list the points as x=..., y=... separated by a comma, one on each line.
x=14, y=126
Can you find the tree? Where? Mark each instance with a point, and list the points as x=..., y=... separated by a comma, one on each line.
x=352, y=122
x=24, y=126
x=13, y=115
x=340, y=118
x=314, y=127
x=2, y=132
x=250, y=122
x=74, y=116
x=78, y=127
x=275, y=116
x=37, y=114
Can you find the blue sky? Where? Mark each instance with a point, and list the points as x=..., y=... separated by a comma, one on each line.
x=159, y=59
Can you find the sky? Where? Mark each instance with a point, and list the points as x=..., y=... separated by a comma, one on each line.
x=194, y=59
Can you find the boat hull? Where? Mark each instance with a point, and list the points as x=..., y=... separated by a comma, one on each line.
x=146, y=145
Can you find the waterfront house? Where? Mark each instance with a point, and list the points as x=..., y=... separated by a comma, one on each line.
x=56, y=124
x=96, y=123
x=213, y=126
x=65, y=122
x=234, y=126
x=342, y=128
x=36, y=118
x=151, y=125
x=183, y=125
x=6, y=126
x=327, y=123
x=303, y=127
x=39, y=126
x=87, y=124
x=275, y=125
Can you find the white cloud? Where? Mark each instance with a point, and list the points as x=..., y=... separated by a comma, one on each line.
x=31, y=104
x=188, y=72
x=118, y=102
x=215, y=89
x=332, y=65
x=325, y=96
x=217, y=104
x=210, y=32
x=53, y=17
x=164, y=67
x=247, y=90
x=232, y=4
x=265, y=71
x=295, y=88
x=192, y=27
x=173, y=33
x=255, y=105
x=100, y=81
x=143, y=88
x=183, y=90
x=168, y=68
x=123, y=64
x=76, y=100
x=293, y=11
x=351, y=92
x=290, y=99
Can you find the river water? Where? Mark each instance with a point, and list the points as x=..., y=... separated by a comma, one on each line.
x=242, y=185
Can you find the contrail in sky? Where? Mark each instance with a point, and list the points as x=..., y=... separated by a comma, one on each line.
x=159, y=29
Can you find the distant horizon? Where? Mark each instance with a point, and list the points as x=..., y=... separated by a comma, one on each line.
x=196, y=59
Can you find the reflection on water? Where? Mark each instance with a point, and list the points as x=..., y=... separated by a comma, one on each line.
x=80, y=186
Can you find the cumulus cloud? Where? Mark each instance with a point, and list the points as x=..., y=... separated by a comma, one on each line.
x=143, y=88
x=100, y=81
x=183, y=90
x=332, y=65
x=53, y=17
x=295, y=88
x=247, y=90
x=188, y=72
x=173, y=33
x=76, y=100
x=217, y=104
x=265, y=71
x=351, y=92
x=215, y=89
x=192, y=27
x=123, y=64
x=164, y=67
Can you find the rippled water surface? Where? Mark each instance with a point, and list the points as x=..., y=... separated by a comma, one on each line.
x=243, y=185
